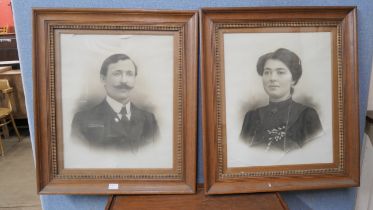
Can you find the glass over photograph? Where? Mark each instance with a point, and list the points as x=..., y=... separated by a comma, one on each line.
x=117, y=100
x=278, y=98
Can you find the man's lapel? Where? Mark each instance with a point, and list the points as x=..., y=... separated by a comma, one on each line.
x=114, y=128
x=136, y=123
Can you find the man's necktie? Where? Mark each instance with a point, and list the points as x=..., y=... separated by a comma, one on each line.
x=123, y=112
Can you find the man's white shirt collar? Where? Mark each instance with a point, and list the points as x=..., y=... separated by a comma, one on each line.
x=117, y=107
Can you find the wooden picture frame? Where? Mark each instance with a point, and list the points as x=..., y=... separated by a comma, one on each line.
x=252, y=143
x=154, y=150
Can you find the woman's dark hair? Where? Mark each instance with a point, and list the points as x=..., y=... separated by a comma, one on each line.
x=289, y=58
x=114, y=59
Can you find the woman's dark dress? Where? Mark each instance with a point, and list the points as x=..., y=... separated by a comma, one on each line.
x=285, y=125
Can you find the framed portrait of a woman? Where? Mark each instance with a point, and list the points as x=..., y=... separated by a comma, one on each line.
x=280, y=99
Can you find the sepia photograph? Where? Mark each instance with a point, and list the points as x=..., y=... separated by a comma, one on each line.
x=117, y=100
x=275, y=113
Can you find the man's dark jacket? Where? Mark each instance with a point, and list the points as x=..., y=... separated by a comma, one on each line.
x=101, y=126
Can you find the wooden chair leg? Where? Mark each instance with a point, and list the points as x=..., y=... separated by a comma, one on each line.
x=5, y=129
x=15, y=127
x=1, y=147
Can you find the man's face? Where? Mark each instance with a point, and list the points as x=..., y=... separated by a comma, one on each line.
x=120, y=80
x=277, y=79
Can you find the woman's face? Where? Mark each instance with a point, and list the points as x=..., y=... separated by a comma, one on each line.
x=277, y=80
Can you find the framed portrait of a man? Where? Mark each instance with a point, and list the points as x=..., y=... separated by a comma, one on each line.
x=277, y=111
x=115, y=101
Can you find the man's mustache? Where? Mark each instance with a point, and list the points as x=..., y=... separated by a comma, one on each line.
x=123, y=86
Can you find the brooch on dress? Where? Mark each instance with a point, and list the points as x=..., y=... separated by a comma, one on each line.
x=275, y=135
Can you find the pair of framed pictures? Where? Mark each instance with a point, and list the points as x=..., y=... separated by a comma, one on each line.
x=115, y=99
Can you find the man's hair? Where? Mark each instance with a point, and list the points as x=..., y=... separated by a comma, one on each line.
x=114, y=59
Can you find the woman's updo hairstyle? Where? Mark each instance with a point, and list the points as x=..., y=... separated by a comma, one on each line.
x=289, y=58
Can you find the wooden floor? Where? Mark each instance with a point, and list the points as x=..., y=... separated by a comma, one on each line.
x=17, y=176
